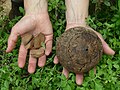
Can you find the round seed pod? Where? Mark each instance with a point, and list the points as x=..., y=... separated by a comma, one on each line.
x=79, y=49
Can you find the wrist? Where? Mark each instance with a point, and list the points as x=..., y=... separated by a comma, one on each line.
x=76, y=13
x=72, y=25
x=35, y=6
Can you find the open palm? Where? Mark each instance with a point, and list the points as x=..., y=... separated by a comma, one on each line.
x=106, y=49
x=33, y=24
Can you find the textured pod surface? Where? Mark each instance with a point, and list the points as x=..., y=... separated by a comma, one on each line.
x=79, y=49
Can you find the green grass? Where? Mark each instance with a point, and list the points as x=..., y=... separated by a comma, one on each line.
x=104, y=18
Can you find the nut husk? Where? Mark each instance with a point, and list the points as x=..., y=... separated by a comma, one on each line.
x=79, y=49
x=34, y=44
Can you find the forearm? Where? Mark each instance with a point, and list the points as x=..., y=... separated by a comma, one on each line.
x=77, y=12
x=35, y=6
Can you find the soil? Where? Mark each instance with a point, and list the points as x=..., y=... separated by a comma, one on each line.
x=79, y=49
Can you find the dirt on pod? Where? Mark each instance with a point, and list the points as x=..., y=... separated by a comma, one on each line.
x=79, y=49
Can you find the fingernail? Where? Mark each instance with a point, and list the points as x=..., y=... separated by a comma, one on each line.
x=55, y=60
x=65, y=72
x=41, y=65
x=20, y=65
x=108, y=50
x=79, y=78
x=47, y=53
x=31, y=70
x=7, y=50
x=79, y=83
x=113, y=52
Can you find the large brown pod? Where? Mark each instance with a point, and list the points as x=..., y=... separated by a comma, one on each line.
x=79, y=49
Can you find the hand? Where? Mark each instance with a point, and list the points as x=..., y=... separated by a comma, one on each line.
x=33, y=24
x=79, y=77
x=77, y=17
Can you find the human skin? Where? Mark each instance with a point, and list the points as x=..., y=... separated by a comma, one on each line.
x=36, y=20
x=76, y=14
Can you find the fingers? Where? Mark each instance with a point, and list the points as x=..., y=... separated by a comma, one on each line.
x=56, y=60
x=79, y=78
x=48, y=42
x=32, y=64
x=26, y=24
x=22, y=56
x=65, y=72
x=48, y=47
x=42, y=61
x=23, y=26
x=107, y=49
x=12, y=40
x=95, y=70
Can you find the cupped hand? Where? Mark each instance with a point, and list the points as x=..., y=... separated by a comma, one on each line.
x=33, y=24
x=79, y=77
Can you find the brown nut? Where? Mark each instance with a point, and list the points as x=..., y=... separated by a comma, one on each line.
x=34, y=44
x=29, y=45
x=38, y=40
x=36, y=53
x=27, y=38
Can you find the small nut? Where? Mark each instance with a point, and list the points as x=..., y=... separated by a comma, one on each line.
x=36, y=53
x=26, y=38
x=29, y=45
x=38, y=40
x=34, y=44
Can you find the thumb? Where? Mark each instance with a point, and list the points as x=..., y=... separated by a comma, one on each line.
x=12, y=39
x=106, y=48
x=23, y=26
